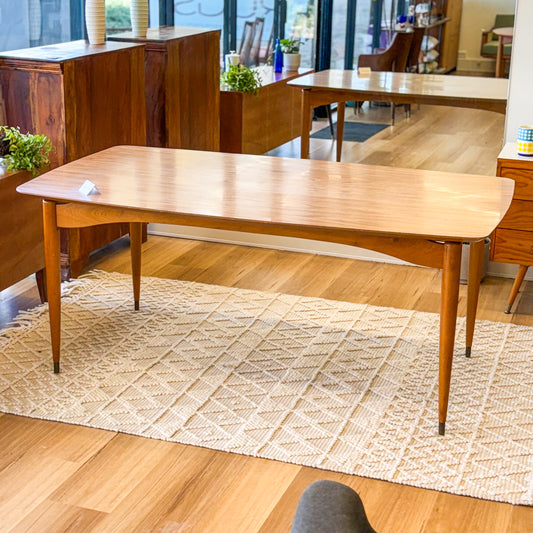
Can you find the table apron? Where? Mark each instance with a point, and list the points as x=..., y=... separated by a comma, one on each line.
x=418, y=250
x=318, y=97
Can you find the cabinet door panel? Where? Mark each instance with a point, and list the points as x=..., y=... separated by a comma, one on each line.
x=523, y=181
x=519, y=216
x=512, y=246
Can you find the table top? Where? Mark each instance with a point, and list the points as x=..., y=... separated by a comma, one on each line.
x=435, y=86
x=307, y=194
x=161, y=34
x=61, y=52
x=503, y=32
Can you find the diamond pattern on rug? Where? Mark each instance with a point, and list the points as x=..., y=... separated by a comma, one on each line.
x=334, y=385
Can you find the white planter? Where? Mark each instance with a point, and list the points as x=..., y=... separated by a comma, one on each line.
x=139, y=17
x=291, y=61
x=95, y=21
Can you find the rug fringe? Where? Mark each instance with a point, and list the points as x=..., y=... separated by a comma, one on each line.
x=26, y=318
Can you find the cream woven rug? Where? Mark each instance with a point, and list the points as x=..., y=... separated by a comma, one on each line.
x=334, y=385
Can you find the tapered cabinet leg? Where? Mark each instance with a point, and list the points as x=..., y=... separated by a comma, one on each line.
x=136, y=229
x=53, y=277
x=522, y=271
x=451, y=273
x=475, y=267
x=341, y=108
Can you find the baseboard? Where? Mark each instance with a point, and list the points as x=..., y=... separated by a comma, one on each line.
x=292, y=244
x=476, y=64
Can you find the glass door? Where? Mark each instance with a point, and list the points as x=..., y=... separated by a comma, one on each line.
x=300, y=23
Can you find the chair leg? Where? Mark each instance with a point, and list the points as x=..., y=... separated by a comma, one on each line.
x=522, y=271
x=328, y=113
x=393, y=113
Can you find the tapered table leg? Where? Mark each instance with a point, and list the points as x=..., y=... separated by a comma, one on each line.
x=451, y=273
x=522, y=271
x=341, y=107
x=135, y=248
x=53, y=277
x=306, y=124
x=475, y=266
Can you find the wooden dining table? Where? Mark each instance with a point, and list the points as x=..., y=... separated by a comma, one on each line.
x=420, y=216
x=340, y=86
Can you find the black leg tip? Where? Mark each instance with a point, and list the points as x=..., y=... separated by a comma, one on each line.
x=136, y=306
x=56, y=367
x=508, y=309
x=468, y=351
x=442, y=427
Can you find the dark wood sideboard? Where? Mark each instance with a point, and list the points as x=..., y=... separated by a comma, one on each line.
x=182, y=86
x=512, y=241
x=256, y=124
x=84, y=98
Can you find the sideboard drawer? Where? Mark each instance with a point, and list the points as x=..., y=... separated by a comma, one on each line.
x=523, y=181
x=519, y=216
x=512, y=246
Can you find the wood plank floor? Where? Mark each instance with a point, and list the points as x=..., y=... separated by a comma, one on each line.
x=56, y=477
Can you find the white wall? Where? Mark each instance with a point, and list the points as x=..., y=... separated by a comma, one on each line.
x=520, y=103
x=478, y=15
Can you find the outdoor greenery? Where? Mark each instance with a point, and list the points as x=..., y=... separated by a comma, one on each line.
x=290, y=46
x=240, y=78
x=24, y=151
x=117, y=14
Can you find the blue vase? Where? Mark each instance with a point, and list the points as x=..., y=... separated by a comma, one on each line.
x=278, y=57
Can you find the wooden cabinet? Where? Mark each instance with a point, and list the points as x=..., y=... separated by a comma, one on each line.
x=182, y=86
x=256, y=124
x=84, y=98
x=449, y=46
x=21, y=238
x=512, y=241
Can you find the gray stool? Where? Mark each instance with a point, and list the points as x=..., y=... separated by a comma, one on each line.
x=330, y=507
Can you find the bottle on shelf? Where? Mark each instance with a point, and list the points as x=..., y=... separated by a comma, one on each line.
x=278, y=57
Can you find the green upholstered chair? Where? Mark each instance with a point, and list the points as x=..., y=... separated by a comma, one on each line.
x=489, y=40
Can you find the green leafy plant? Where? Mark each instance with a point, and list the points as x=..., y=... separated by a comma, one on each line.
x=290, y=46
x=244, y=79
x=24, y=151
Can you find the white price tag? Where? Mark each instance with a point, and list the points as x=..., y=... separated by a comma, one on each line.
x=88, y=188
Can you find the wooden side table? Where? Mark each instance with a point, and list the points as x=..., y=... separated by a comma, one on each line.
x=85, y=98
x=512, y=242
x=256, y=124
x=182, y=86
x=505, y=36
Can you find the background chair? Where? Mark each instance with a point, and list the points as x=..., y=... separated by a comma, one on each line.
x=413, y=58
x=257, y=34
x=246, y=43
x=250, y=47
x=393, y=59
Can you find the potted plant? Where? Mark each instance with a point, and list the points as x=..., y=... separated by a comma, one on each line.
x=23, y=151
x=240, y=78
x=291, y=53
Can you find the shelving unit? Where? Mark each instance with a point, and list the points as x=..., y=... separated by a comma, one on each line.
x=444, y=24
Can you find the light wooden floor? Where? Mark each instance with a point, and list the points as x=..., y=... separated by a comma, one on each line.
x=55, y=477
